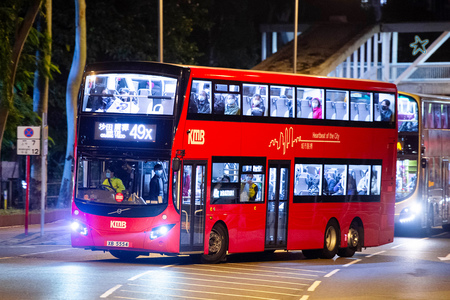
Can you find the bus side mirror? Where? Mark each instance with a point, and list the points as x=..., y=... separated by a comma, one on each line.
x=423, y=163
x=176, y=164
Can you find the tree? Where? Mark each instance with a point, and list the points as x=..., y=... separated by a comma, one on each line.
x=73, y=85
x=40, y=92
x=10, y=53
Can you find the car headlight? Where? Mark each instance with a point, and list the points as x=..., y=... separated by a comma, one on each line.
x=160, y=231
x=79, y=227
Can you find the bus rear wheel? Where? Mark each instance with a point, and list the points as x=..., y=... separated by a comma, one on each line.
x=331, y=240
x=353, y=241
x=124, y=255
x=218, y=245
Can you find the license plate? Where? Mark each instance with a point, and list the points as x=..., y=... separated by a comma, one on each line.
x=117, y=244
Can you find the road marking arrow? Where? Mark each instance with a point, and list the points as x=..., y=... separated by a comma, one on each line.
x=445, y=258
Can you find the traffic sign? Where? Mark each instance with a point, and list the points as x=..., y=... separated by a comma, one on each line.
x=28, y=132
x=28, y=147
x=28, y=140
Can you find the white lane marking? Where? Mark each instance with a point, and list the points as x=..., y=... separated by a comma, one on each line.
x=272, y=267
x=110, y=291
x=395, y=247
x=243, y=273
x=235, y=283
x=147, y=272
x=375, y=254
x=332, y=273
x=254, y=269
x=44, y=252
x=314, y=286
x=228, y=288
x=445, y=258
x=304, y=297
x=352, y=262
x=248, y=279
x=200, y=292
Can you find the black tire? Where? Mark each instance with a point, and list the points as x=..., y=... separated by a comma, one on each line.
x=124, y=255
x=218, y=246
x=446, y=227
x=354, y=240
x=331, y=240
x=311, y=254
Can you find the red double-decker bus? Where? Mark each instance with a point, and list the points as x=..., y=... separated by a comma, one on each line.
x=205, y=161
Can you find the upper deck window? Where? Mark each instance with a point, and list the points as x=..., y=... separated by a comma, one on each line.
x=129, y=93
x=282, y=101
x=310, y=103
x=255, y=100
x=408, y=114
x=361, y=106
x=384, y=107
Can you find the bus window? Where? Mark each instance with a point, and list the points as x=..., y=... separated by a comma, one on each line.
x=375, y=181
x=200, y=99
x=363, y=187
x=361, y=106
x=408, y=114
x=444, y=120
x=282, y=101
x=335, y=180
x=129, y=93
x=225, y=183
x=308, y=180
x=306, y=107
x=226, y=99
x=252, y=183
x=254, y=102
x=437, y=115
x=122, y=182
x=336, y=105
x=384, y=107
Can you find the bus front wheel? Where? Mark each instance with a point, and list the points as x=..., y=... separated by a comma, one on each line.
x=218, y=244
x=331, y=240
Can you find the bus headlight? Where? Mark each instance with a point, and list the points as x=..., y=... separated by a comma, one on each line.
x=160, y=231
x=409, y=214
x=79, y=227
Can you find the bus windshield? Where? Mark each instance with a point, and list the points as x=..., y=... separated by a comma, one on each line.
x=129, y=93
x=408, y=114
x=122, y=182
x=406, y=178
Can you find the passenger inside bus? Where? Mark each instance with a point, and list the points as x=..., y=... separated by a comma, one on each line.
x=232, y=105
x=385, y=111
x=157, y=185
x=249, y=190
x=317, y=108
x=257, y=106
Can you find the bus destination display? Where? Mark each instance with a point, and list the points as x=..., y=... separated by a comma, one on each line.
x=125, y=132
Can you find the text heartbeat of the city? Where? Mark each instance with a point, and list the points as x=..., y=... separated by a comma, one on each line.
x=287, y=140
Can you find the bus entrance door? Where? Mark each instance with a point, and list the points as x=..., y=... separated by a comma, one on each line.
x=277, y=205
x=193, y=206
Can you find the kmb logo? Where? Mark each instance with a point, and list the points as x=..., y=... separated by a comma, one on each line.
x=118, y=224
x=196, y=136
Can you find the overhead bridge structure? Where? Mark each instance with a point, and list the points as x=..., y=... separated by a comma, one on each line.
x=364, y=51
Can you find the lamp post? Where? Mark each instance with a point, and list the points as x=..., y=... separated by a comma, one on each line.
x=295, y=36
x=160, y=42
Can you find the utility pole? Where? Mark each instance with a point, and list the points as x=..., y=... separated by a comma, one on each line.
x=295, y=36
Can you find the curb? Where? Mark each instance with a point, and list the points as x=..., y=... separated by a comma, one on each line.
x=34, y=218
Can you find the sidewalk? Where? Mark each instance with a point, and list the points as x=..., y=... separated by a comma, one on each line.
x=56, y=233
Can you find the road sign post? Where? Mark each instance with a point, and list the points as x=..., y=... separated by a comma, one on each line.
x=28, y=143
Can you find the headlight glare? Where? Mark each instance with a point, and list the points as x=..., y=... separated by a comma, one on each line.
x=160, y=231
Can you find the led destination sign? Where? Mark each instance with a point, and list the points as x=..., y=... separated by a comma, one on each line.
x=125, y=132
